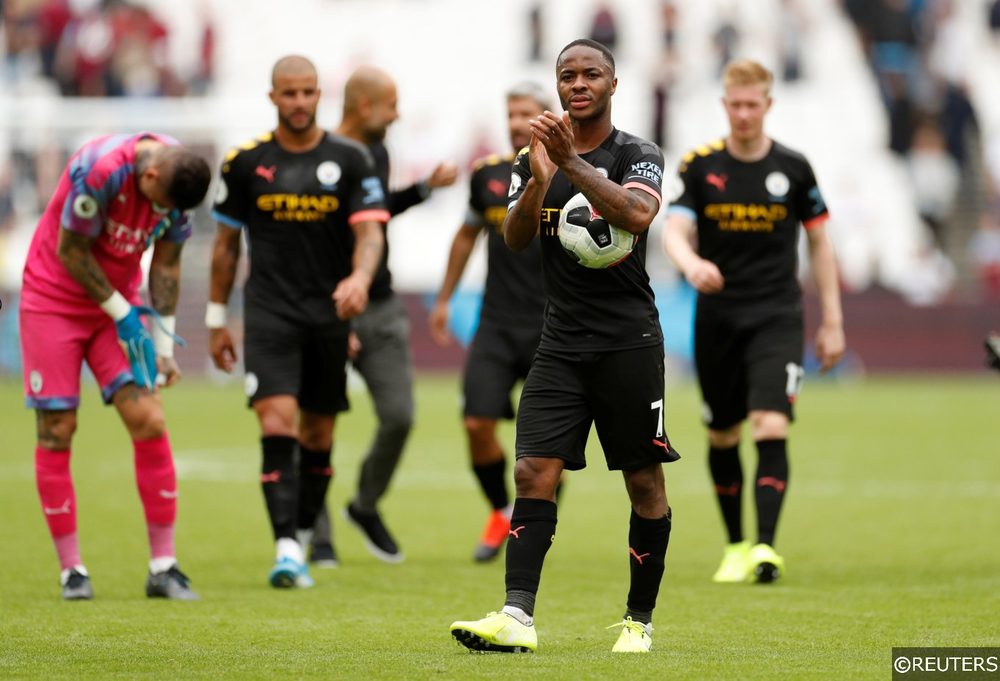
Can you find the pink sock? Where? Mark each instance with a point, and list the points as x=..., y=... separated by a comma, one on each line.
x=154, y=474
x=55, y=489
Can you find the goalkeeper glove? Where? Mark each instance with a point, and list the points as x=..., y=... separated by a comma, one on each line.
x=139, y=347
x=136, y=338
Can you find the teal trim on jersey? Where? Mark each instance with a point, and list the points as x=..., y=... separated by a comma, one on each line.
x=682, y=210
x=227, y=221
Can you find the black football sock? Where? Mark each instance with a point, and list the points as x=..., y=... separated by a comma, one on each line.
x=772, y=479
x=280, y=483
x=532, y=530
x=315, y=474
x=647, y=548
x=493, y=480
x=727, y=475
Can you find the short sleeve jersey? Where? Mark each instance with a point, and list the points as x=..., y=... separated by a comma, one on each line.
x=748, y=217
x=98, y=196
x=514, y=293
x=597, y=309
x=297, y=209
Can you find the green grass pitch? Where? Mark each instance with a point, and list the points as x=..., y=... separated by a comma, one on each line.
x=890, y=534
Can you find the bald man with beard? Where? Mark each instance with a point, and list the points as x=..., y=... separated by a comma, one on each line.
x=313, y=211
x=380, y=345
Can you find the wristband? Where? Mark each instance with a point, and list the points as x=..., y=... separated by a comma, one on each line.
x=163, y=336
x=215, y=315
x=116, y=306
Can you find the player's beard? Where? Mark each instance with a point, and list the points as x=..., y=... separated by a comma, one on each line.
x=373, y=135
x=286, y=122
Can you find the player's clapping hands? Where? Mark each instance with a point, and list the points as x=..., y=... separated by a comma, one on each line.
x=556, y=135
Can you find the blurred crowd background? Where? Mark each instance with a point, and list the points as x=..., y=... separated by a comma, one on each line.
x=894, y=101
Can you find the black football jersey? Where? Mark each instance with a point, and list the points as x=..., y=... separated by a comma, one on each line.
x=297, y=209
x=597, y=309
x=748, y=217
x=514, y=292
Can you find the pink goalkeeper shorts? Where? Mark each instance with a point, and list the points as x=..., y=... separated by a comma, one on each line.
x=53, y=349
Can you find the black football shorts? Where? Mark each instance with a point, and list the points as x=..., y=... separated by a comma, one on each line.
x=747, y=362
x=620, y=392
x=499, y=357
x=309, y=363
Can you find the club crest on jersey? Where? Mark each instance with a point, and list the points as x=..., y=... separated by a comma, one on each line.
x=602, y=171
x=328, y=173
x=250, y=384
x=515, y=184
x=35, y=381
x=221, y=192
x=674, y=188
x=85, y=206
x=777, y=184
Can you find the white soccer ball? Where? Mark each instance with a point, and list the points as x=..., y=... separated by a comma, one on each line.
x=588, y=237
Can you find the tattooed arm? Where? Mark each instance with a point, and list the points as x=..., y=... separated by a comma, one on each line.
x=75, y=254
x=351, y=294
x=164, y=276
x=164, y=288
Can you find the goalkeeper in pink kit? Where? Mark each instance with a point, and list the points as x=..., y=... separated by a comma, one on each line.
x=118, y=196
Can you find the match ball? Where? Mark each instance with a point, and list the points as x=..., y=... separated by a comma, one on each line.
x=588, y=237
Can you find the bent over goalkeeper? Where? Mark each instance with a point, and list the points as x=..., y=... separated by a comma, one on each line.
x=118, y=195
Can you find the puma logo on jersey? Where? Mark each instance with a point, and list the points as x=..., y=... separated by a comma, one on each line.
x=267, y=173
x=717, y=181
x=497, y=187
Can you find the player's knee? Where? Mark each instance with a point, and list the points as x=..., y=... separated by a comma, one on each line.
x=396, y=422
x=276, y=422
x=147, y=424
x=316, y=432
x=768, y=425
x=56, y=429
x=645, y=486
x=481, y=431
x=724, y=439
x=536, y=477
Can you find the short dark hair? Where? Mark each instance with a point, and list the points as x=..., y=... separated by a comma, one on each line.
x=587, y=42
x=189, y=177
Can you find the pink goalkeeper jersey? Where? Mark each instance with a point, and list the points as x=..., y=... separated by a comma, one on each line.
x=98, y=196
